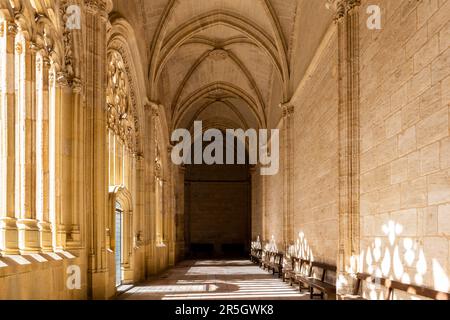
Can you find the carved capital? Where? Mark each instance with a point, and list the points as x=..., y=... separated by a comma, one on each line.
x=11, y=28
x=287, y=109
x=62, y=79
x=101, y=7
x=77, y=85
x=341, y=7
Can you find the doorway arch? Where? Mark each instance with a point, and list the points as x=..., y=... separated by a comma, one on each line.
x=121, y=207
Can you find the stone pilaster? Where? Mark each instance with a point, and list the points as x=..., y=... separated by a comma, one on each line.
x=179, y=211
x=170, y=214
x=96, y=193
x=8, y=227
x=347, y=20
x=151, y=114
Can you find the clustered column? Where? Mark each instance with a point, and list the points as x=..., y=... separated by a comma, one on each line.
x=8, y=227
x=29, y=241
x=347, y=20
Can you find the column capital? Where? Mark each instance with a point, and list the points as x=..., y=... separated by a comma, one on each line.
x=11, y=28
x=102, y=7
x=153, y=108
x=341, y=7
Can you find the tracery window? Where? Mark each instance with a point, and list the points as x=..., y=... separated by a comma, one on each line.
x=121, y=151
x=121, y=122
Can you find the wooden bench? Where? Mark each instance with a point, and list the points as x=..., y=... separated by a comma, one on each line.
x=265, y=259
x=302, y=271
x=391, y=286
x=316, y=279
x=255, y=256
x=277, y=264
x=291, y=266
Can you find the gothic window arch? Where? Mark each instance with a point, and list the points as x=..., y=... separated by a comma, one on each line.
x=122, y=139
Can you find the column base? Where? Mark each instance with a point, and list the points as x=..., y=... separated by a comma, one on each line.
x=10, y=236
x=45, y=230
x=61, y=237
x=29, y=236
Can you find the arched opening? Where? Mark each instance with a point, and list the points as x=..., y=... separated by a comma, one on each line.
x=121, y=236
x=217, y=207
x=118, y=236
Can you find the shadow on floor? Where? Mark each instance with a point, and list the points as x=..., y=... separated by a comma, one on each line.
x=214, y=280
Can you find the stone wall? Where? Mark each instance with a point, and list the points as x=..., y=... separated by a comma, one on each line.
x=405, y=143
x=316, y=157
x=274, y=206
x=315, y=163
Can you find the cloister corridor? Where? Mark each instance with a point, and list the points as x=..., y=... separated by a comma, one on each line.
x=224, y=150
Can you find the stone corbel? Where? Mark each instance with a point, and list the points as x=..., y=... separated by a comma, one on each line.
x=287, y=109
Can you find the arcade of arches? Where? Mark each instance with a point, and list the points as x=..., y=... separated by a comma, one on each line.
x=91, y=90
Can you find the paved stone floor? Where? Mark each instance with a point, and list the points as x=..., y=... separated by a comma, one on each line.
x=214, y=279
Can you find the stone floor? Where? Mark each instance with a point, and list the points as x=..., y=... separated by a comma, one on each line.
x=214, y=279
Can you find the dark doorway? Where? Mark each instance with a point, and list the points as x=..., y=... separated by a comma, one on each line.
x=217, y=211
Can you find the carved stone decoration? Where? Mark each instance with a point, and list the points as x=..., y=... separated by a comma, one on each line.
x=341, y=7
x=120, y=117
x=67, y=40
x=218, y=54
x=158, y=164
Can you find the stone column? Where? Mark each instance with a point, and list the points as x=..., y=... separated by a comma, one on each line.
x=42, y=138
x=64, y=159
x=8, y=227
x=288, y=171
x=96, y=193
x=74, y=236
x=347, y=20
x=29, y=241
x=171, y=208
